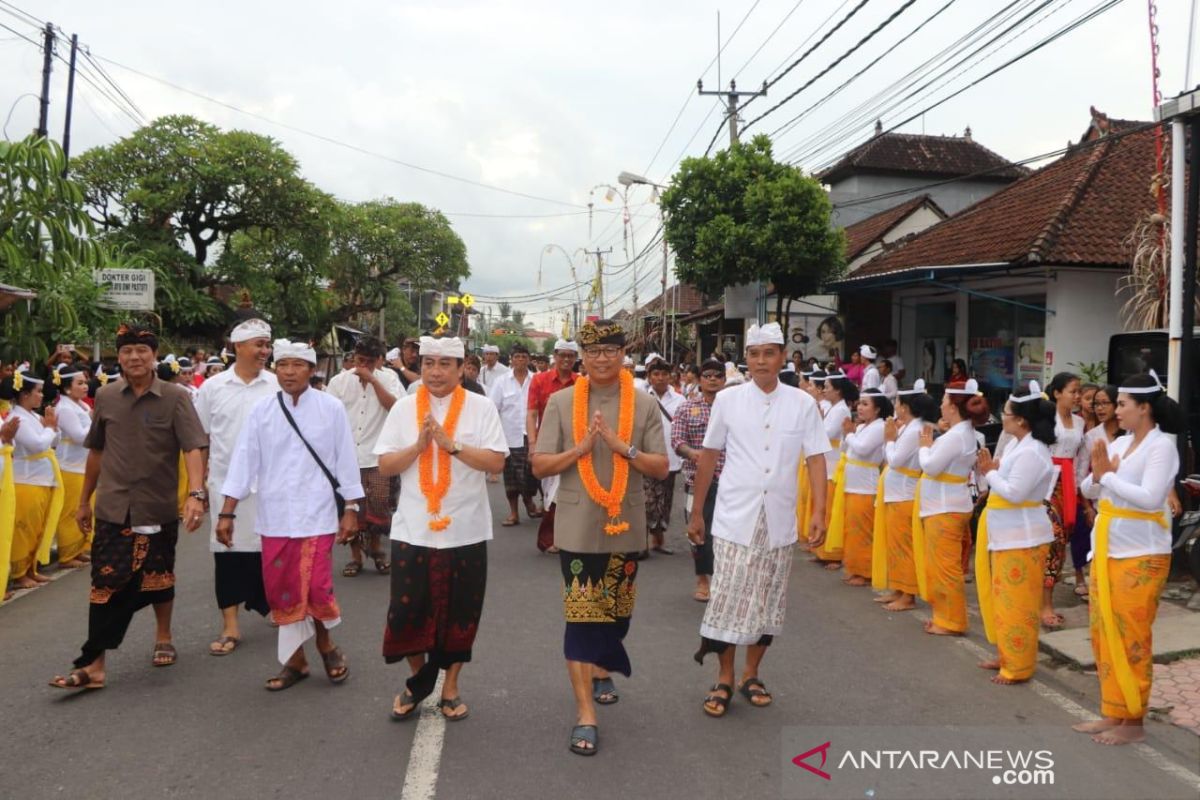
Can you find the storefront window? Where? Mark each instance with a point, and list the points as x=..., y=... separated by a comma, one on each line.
x=1005, y=343
x=935, y=343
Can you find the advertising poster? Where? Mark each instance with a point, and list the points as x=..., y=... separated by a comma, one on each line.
x=992, y=362
x=1031, y=359
x=934, y=357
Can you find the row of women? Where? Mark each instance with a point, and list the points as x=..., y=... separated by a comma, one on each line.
x=901, y=498
x=42, y=474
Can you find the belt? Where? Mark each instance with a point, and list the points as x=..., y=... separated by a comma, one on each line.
x=1106, y=513
x=983, y=563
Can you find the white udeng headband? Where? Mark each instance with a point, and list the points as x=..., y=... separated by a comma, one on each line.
x=833, y=376
x=1035, y=393
x=971, y=387
x=918, y=387
x=1157, y=387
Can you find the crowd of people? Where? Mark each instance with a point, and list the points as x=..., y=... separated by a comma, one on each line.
x=884, y=483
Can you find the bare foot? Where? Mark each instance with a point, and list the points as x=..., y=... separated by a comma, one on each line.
x=74, y=563
x=1052, y=619
x=25, y=582
x=890, y=597
x=1123, y=734
x=854, y=580
x=1096, y=725
x=938, y=630
x=905, y=603
x=991, y=663
x=39, y=578
x=833, y=566
x=1003, y=681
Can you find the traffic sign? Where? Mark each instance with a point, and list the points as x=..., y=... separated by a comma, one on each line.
x=452, y=301
x=467, y=300
x=442, y=319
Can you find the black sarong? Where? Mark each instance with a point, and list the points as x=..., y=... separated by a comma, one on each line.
x=129, y=572
x=599, y=593
x=239, y=579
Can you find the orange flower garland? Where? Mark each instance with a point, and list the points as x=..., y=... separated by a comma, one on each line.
x=435, y=491
x=610, y=499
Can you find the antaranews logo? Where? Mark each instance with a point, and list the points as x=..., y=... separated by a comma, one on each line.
x=800, y=760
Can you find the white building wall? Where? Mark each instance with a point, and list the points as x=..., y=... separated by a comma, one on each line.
x=1087, y=313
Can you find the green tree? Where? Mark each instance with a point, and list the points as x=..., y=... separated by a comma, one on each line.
x=742, y=216
x=45, y=246
x=207, y=210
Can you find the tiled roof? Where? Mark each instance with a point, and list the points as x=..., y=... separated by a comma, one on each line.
x=684, y=300
x=1076, y=211
x=864, y=233
x=929, y=156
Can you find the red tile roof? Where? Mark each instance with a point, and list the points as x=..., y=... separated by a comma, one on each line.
x=864, y=233
x=928, y=156
x=684, y=300
x=1076, y=211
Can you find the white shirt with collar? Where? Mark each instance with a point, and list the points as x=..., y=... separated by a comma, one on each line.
x=953, y=453
x=32, y=439
x=865, y=444
x=512, y=402
x=466, y=502
x=1142, y=482
x=834, y=417
x=223, y=404
x=671, y=401
x=489, y=376
x=74, y=422
x=365, y=412
x=764, y=436
x=1026, y=474
x=889, y=387
x=295, y=499
x=902, y=454
x=870, y=379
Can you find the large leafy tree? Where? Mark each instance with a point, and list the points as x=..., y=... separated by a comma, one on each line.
x=208, y=210
x=45, y=246
x=742, y=216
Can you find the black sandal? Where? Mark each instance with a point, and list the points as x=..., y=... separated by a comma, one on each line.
x=352, y=569
x=602, y=687
x=752, y=688
x=287, y=678
x=716, y=699
x=451, y=704
x=382, y=566
x=588, y=734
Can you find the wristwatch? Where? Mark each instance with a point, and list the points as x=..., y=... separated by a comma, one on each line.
x=200, y=495
x=352, y=507
x=631, y=453
x=456, y=448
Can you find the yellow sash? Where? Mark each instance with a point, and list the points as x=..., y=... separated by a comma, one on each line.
x=8, y=514
x=804, y=502
x=983, y=562
x=1124, y=675
x=919, y=528
x=56, y=505
x=879, y=574
x=835, y=539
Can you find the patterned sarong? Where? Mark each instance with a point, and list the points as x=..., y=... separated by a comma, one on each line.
x=944, y=537
x=298, y=580
x=748, y=592
x=599, y=593
x=380, y=501
x=1016, y=603
x=1136, y=584
x=860, y=527
x=518, y=478
x=659, y=497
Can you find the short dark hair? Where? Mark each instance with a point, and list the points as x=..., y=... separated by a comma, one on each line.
x=517, y=348
x=658, y=365
x=370, y=347
x=881, y=402
x=921, y=406
x=1059, y=382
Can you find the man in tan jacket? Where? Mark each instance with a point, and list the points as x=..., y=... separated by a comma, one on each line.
x=595, y=435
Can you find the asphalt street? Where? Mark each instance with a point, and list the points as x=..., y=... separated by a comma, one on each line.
x=207, y=728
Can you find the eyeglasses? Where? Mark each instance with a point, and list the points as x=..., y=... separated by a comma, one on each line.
x=1101, y=403
x=595, y=351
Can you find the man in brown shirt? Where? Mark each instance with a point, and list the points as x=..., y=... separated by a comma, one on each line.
x=599, y=526
x=140, y=427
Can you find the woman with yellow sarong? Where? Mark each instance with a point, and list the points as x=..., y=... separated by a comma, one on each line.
x=839, y=392
x=854, y=495
x=8, y=503
x=1131, y=552
x=34, y=470
x=1015, y=534
x=74, y=421
x=942, y=512
x=893, y=566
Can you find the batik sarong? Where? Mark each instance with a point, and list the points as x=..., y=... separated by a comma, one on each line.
x=129, y=572
x=901, y=569
x=379, y=503
x=599, y=593
x=944, y=537
x=1057, y=554
x=518, y=478
x=1016, y=603
x=298, y=580
x=859, y=527
x=748, y=592
x=1135, y=585
x=659, y=497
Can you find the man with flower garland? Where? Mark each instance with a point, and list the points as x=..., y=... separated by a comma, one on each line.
x=442, y=441
x=591, y=436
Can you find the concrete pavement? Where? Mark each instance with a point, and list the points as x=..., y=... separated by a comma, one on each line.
x=206, y=727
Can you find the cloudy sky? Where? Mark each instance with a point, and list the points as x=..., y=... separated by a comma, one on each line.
x=547, y=100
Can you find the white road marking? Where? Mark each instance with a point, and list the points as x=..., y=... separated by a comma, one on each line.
x=1143, y=750
x=425, y=758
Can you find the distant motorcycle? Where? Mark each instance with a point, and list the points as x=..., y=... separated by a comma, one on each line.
x=1188, y=542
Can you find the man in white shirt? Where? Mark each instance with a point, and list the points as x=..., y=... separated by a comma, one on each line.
x=442, y=440
x=491, y=370
x=223, y=402
x=888, y=385
x=765, y=429
x=510, y=393
x=296, y=446
x=368, y=392
x=871, y=377
x=891, y=351
x=661, y=493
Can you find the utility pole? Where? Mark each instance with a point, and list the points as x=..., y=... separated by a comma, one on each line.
x=598, y=253
x=66, y=140
x=664, y=284
x=47, y=59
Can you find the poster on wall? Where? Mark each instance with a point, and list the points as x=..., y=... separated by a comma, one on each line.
x=992, y=362
x=934, y=355
x=1031, y=359
x=819, y=336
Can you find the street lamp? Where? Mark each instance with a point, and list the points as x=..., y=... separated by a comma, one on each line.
x=550, y=248
x=629, y=179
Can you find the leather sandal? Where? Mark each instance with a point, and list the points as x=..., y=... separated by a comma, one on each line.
x=715, y=699
x=286, y=679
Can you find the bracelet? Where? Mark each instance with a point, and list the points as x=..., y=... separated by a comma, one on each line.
x=226, y=516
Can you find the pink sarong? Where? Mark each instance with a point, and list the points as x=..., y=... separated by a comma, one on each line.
x=298, y=579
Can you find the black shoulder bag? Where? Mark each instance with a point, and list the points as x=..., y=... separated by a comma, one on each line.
x=338, y=500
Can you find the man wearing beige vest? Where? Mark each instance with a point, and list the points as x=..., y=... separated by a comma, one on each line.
x=595, y=435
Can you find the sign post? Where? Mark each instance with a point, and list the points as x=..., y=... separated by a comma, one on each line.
x=126, y=289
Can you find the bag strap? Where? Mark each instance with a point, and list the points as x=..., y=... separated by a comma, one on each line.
x=291, y=421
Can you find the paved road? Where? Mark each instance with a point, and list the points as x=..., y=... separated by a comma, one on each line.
x=205, y=727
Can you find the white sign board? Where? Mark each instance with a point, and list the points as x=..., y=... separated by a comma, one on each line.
x=129, y=289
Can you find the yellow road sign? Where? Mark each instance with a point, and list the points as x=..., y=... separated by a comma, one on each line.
x=442, y=319
x=452, y=301
x=467, y=300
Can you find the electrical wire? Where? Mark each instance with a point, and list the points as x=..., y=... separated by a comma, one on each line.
x=809, y=51
x=766, y=41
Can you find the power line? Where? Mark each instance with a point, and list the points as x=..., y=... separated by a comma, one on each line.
x=770, y=36
x=809, y=38
x=810, y=50
x=886, y=22
x=21, y=13
x=109, y=80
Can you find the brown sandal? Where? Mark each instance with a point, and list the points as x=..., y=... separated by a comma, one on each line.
x=76, y=679
x=164, y=655
x=352, y=569
x=335, y=660
x=218, y=648
x=286, y=679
